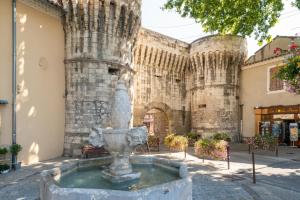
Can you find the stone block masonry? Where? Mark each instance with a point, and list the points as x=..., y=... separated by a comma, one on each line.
x=214, y=78
x=99, y=37
x=160, y=63
x=195, y=85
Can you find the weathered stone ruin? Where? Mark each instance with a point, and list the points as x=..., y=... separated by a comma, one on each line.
x=99, y=44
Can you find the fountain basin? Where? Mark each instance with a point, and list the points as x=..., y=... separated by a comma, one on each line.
x=160, y=179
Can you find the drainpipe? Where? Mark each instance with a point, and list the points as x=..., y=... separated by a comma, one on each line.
x=14, y=78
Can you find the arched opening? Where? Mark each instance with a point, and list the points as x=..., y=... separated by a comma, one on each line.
x=157, y=123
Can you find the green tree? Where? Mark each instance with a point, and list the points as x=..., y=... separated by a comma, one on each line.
x=236, y=17
x=297, y=3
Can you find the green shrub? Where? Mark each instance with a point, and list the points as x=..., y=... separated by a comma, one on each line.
x=266, y=141
x=15, y=149
x=210, y=148
x=192, y=136
x=4, y=167
x=222, y=136
x=3, y=151
x=179, y=143
x=168, y=139
x=204, y=146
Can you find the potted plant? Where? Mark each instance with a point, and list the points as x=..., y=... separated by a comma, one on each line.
x=4, y=168
x=3, y=152
x=179, y=143
x=222, y=136
x=192, y=137
x=14, y=150
x=168, y=139
x=211, y=148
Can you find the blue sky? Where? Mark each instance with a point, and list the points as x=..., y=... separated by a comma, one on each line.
x=172, y=24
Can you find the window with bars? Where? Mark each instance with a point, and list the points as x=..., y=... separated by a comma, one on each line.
x=275, y=84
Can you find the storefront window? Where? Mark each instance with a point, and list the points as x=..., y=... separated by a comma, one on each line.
x=265, y=128
x=277, y=128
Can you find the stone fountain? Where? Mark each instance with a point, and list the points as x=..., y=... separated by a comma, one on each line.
x=100, y=36
x=119, y=139
x=119, y=176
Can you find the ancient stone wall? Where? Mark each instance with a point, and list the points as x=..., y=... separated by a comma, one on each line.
x=99, y=37
x=213, y=83
x=160, y=63
x=195, y=85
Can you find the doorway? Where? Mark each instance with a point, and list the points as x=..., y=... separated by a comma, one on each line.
x=157, y=123
x=285, y=135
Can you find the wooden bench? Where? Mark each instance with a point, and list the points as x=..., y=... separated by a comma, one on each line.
x=90, y=150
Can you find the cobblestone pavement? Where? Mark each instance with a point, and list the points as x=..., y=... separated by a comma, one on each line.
x=277, y=177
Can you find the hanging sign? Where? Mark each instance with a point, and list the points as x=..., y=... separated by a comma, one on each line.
x=284, y=116
x=293, y=132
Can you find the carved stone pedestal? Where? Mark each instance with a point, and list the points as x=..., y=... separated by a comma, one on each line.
x=120, y=178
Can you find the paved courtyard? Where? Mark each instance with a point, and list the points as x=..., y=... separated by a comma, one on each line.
x=277, y=177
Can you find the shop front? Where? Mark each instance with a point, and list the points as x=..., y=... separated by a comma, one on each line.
x=282, y=122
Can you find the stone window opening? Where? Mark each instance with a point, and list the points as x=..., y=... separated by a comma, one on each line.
x=202, y=106
x=274, y=84
x=113, y=71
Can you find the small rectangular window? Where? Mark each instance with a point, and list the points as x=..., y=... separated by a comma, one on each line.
x=113, y=71
x=275, y=84
x=202, y=106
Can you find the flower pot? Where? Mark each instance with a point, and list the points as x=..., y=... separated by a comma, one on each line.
x=4, y=171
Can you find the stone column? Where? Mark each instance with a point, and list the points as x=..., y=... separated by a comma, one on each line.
x=215, y=78
x=99, y=37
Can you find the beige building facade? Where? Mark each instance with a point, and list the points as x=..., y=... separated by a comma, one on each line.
x=264, y=99
x=40, y=79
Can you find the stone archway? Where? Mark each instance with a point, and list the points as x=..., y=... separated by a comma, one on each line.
x=157, y=123
x=141, y=111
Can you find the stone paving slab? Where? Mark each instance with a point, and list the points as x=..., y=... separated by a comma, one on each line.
x=206, y=187
x=27, y=189
x=277, y=178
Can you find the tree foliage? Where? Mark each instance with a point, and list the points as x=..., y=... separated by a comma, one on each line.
x=297, y=3
x=290, y=72
x=236, y=17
